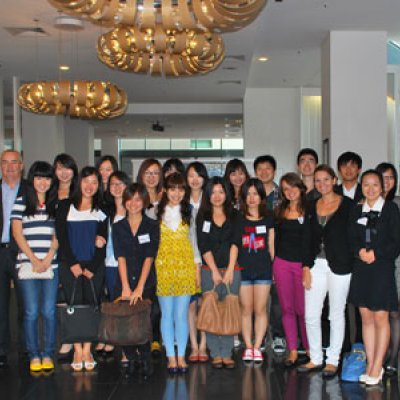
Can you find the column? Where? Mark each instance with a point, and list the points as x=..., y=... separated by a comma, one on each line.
x=354, y=95
x=109, y=145
x=79, y=141
x=42, y=137
x=2, y=115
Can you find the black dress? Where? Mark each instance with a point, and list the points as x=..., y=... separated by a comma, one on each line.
x=373, y=286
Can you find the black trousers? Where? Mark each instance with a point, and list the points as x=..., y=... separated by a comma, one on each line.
x=8, y=273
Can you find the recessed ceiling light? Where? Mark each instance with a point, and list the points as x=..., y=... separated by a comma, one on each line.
x=262, y=59
x=64, y=67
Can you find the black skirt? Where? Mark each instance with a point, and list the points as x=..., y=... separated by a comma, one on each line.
x=373, y=286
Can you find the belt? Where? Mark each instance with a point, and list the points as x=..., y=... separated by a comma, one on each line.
x=5, y=245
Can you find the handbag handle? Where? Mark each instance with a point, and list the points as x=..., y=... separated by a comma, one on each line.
x=91, y=284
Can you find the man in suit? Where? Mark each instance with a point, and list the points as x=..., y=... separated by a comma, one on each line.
x=12, y=186
x=349, y=165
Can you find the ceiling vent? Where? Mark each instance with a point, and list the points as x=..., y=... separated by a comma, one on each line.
x=230, y=68
x=237, y=58
x=229, y=82
x=67, y=23
x=27, y=31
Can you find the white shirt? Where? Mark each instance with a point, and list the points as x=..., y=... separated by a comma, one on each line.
x=350, y=193
x=376, y=207
x=172, y=217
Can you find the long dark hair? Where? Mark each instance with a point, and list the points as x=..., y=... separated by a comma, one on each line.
x=201, y=170
x=206, y=208
x=175, y=180
x=292, y=180
x=66, y=161
x=45, y=170
x=244, y=190
x=97, y=197
x=173, y=163
x=382, y=168
x=108, y=198
x=113, y=162
x=232, y=166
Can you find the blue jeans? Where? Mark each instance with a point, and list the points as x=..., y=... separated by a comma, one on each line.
x=40, y=295
x=174, y=323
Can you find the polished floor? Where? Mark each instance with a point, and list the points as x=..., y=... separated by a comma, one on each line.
x=271, y=381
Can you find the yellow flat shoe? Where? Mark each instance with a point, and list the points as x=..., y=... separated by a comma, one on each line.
x=47, y=364
x=35, y=365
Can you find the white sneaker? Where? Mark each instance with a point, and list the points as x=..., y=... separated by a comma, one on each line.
x=278, y=345
x=236, y=342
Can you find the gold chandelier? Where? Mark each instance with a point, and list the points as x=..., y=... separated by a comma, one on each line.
x=160, y=52
x=78, y=99
x=211, y=15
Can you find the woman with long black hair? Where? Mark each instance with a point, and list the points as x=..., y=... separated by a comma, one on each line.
x=78, y=222
x=34, y=231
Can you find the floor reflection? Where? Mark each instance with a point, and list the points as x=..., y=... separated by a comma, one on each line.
x=268, y=382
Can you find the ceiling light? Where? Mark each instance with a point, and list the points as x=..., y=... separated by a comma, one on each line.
x=78, y=99
x=160, y=52
x=212, y=15
x=68, y=23
x=63, y=67
x=262, y=59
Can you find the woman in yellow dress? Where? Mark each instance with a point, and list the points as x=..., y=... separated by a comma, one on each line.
x=176, y=270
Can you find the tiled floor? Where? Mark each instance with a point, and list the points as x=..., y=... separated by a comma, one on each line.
x=271, y=381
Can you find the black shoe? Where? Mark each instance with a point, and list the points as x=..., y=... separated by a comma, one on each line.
x=3, y=361
x=390, y=371
x=129, y=368
x=65, y=357
x=147, y=368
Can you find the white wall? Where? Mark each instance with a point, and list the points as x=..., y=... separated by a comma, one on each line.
x=272, y=125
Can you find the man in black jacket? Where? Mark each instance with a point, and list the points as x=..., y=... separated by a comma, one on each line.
x=12, y=186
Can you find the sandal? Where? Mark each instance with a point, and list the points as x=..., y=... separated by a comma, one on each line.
x=217, y=363
x=77, y=366
x=203, y=358
x=228, y=363
x=194, y=358
x=91, y=364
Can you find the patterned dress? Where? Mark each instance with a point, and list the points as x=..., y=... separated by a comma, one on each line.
x=175, y=266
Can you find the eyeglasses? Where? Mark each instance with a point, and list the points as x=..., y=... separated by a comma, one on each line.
x=152, y=173
x=388, y=177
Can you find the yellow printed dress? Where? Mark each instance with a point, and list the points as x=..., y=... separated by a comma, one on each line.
x=175, y=266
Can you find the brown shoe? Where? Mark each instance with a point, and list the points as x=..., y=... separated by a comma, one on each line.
x=309, y=367
x=329, y=371
x=217, y=363
x=228, y=363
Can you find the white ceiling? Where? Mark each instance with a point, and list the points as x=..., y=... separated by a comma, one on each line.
x=288, y=32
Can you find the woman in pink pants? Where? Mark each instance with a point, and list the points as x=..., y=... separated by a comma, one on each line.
x=287, y=267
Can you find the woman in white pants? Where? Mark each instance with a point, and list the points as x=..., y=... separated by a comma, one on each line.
x=326, y=270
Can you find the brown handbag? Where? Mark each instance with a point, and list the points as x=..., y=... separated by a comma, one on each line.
x=124, y=324
x=220, y=317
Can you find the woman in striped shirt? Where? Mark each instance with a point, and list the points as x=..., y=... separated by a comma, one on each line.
x=34, y=231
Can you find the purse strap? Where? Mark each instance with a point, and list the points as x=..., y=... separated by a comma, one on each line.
x=91, y=284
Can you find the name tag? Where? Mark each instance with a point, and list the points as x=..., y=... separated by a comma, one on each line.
x=144, y=238
x=206, y=226
x=261, y=229
x=301, y=220
x=362, y=221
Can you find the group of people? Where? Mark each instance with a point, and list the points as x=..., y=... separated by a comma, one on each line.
x=176, y=233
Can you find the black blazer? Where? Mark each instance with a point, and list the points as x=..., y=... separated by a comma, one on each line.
x=21, y=192
x=386, y=241
x=358, y=195
x=334, y=235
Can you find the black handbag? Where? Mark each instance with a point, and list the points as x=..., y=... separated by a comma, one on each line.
x=79, y=323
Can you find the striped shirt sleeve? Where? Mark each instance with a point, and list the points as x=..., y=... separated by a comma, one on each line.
x=18, y=209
